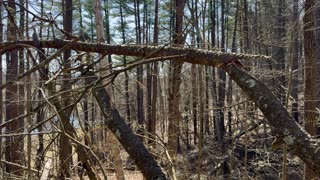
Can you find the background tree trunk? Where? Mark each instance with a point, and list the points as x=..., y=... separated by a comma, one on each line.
x=153, y=122
x=11, y=102
x=112, y=141
x=310, y=71
x=140, y=101
x=295, y=59
x=1, y=94
x=174, y=83
x=317, y=40
x=279, y=50
x=222, y=83
x=65, y=149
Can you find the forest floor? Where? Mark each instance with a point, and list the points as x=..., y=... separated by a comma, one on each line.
x=263, y=164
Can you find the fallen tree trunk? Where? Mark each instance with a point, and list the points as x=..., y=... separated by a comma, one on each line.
x=135, y=148
x=191, y=55
x=286, y=128
x=291, y=133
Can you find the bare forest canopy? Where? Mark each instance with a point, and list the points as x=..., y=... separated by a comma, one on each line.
x=278, y=117
x=169, y=81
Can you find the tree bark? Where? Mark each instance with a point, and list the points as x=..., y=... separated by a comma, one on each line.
x=279, y=119
x=295, y=59
x=317, y=39
x=139, y=82
x=279, y=50
x=11, y=101
x=68, y=130
x=65, y=149
x=194, y=102
x=221, y=84
x=21, y=87
x=154, y=74
x=126, y=81
x=174, y=84
x=135, y=148
x=310, y=89
x=1, y=94
x=114, y=144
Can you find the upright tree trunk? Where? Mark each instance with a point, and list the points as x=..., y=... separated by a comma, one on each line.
x=295, y=59
x=107, y=25
x=245, y=26
x=212, y=5
x=229, y=81
x=14, y=145
x=149, y=71
x=279, y=50
x=310, y=92
x=65, y=150
x=174, y=84
x=222, y=83
x=194, y=102
x=140, y=109
x=214, y=82
x=207, y=122
x=317, y=36
x=114, y=144
x=194, y=84
x=153, y=122
x=86, y=98
x=28, y=103
x=40, y=111
x=234, y=42
x=126, y=81
x=1, y=94
x=21, y=87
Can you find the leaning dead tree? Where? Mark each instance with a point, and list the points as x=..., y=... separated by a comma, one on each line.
x=287, y=130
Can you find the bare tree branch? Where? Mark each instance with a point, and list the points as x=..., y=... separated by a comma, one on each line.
x=286, y=128
x=291, y=133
